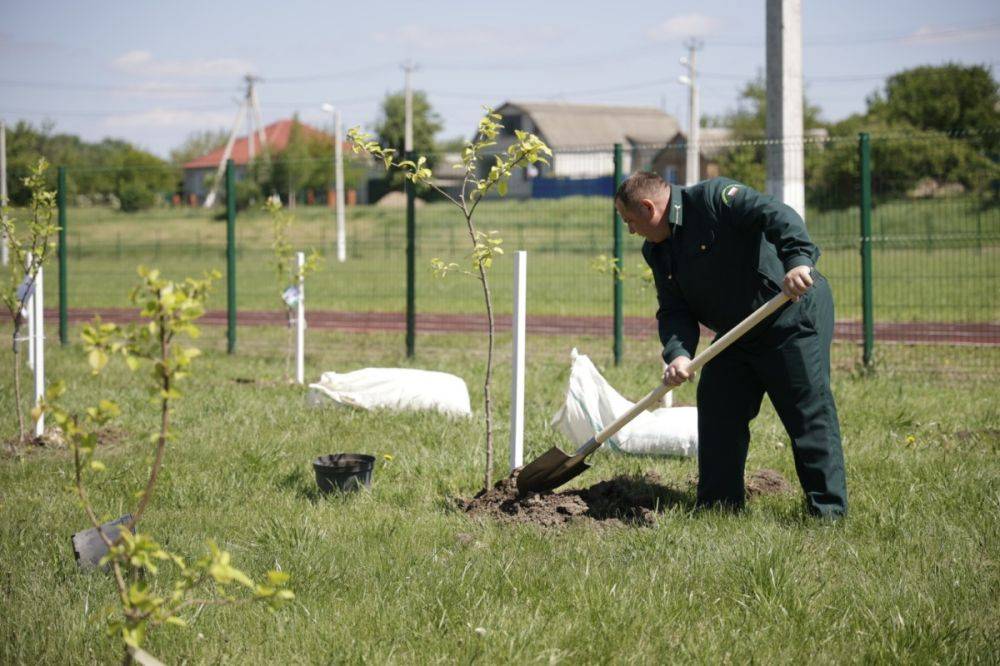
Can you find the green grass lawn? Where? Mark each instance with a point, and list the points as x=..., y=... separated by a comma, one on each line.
x=398, y=575
x=933, y=261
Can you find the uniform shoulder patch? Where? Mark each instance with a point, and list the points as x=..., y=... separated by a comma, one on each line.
x=729, y=193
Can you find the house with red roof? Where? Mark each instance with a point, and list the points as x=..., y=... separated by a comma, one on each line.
x=276, y=136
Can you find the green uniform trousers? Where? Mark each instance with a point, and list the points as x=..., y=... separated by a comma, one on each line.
x=790, y=361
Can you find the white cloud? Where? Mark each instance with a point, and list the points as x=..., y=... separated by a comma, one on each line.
x=936, y=35
x=685, y=25
x=172, y=118
x=143, y=62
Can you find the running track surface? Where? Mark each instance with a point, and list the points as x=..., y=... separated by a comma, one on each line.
x=636, y=327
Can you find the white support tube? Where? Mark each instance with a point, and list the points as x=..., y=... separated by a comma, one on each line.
x=300, y=323
x=29, y=311
x=517, y=360
x=38, y=316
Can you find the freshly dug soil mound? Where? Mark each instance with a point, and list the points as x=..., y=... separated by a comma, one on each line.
x=766, y=482
x=628, y=500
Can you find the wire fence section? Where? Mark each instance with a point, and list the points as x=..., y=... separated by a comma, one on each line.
x=934, y=241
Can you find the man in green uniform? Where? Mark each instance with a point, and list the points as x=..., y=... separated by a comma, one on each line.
x=719, y=250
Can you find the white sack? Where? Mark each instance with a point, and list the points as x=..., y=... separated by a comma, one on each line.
x=591, y=404
x=394, y=388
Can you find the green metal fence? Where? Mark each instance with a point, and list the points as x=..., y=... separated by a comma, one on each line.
x=931, y=288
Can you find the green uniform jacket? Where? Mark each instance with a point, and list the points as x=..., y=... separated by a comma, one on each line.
x=729, y=250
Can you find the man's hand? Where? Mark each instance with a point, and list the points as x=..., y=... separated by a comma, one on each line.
x=677, y=372
x=797, y=282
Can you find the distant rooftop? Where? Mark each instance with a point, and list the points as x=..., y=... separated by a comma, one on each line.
x=276, y=136
x=565, y=125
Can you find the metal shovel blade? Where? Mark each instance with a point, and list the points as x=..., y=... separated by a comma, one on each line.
x=549, y=471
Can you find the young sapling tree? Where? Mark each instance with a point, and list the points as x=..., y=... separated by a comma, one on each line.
x=171, y=309
x=30, y=244
x=289, y=273
x=525, y=150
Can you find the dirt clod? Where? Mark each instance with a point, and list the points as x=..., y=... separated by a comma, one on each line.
x=766, y=482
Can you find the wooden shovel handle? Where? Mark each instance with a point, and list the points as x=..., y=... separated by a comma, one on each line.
x=713, y=350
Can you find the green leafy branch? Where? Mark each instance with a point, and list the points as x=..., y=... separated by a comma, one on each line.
x=606, y=265
x=31, y=244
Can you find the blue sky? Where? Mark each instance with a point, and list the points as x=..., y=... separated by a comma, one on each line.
x=151, y=72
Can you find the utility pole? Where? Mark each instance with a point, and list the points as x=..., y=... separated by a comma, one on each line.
x=408, y=68
x=338, y=152
x=251, y=107
x=338, y=177
x=249, y=104
x=692, y=168
x=4, y=251
x=785, y=145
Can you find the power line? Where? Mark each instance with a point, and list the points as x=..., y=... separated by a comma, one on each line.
x=97, y=87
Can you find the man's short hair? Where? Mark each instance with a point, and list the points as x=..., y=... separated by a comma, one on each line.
x=640, y=185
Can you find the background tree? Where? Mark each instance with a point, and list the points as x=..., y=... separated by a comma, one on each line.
x=946, y=98
x=391, y=129
x=198, y=143
x=305, y=164
x=746, y=163
x=391, y=126
x=110, y=170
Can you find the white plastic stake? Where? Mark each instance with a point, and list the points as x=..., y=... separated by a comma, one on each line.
x=29, y=311
x=517, y=360
x=300, y=324
x=38, y=316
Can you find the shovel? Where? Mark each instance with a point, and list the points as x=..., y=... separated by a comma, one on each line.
x=554, y=468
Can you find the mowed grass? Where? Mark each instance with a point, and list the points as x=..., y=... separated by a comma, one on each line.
x=933, y=261
x=398, y=575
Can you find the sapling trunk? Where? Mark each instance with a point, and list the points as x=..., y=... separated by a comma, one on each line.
x=161, y=441
x=487, y=384
x=489, y=380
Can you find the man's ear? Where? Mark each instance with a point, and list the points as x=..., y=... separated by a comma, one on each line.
x=649, y=206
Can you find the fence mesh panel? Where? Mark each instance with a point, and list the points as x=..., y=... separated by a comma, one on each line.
x=936, y=245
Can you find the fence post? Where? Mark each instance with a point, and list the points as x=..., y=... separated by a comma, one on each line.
x=411, y=246
x=616, y=273
x=63, y=256
x=867, y=309
x=231, y=257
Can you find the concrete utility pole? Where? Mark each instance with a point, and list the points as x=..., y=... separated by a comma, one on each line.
x=408, y=68
x=692, y=168
x=785, y=147
x=338, y=177
x=249, y=105
x=4, y=251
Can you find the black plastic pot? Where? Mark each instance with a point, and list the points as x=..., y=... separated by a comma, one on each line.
x=344, y=472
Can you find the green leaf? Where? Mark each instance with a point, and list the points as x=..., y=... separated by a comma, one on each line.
x=97, y=359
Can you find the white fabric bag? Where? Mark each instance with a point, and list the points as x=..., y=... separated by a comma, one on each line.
x=400, y=389
x=591, y=404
